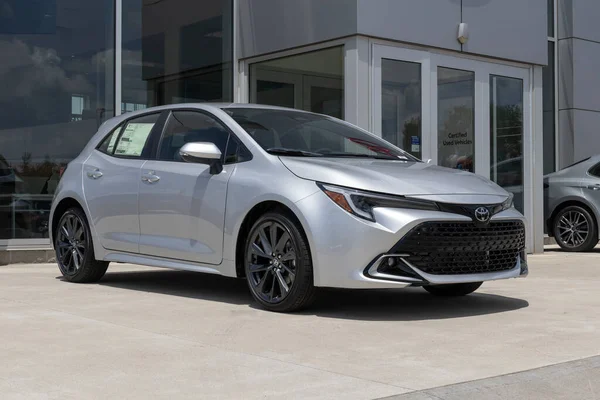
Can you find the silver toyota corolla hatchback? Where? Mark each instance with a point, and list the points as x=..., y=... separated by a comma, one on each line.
x=287, y=199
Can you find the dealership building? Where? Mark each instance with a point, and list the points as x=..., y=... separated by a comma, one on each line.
x=503, y=88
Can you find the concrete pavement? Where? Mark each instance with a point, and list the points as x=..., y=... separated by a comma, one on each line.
x=151, y=333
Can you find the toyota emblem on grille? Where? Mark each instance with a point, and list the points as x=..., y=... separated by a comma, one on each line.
x=482, y=214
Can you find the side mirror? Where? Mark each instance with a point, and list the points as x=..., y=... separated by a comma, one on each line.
x=203, y=153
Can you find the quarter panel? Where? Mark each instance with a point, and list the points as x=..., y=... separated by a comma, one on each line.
x=70, y=187
x=560, y=190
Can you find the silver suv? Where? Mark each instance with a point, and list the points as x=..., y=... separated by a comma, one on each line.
x=287, y=199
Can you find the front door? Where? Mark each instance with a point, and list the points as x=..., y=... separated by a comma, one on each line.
x=459, y=113
x=182, y=205
x=111, y=181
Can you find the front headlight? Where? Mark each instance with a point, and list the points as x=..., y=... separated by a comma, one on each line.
x=361, y=203
x=508, y=203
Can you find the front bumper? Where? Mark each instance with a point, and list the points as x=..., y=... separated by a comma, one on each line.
x=347, y=251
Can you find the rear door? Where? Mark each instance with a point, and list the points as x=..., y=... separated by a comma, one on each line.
x=111, y=180
x=182, y=205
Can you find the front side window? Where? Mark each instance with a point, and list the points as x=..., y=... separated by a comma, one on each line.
x=188, y=127
x=297, y=133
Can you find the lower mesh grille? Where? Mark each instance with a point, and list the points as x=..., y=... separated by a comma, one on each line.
x=448, y=248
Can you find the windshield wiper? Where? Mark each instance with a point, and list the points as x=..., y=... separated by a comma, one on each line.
x=360, y=155
x=282, y=151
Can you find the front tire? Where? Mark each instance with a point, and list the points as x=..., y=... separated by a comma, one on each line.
x=575, y=229
x=74, y=249
x=278, y=264
x=453, y=290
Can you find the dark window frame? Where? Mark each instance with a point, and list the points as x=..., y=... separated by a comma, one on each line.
x=241, y=147
x=594, y=170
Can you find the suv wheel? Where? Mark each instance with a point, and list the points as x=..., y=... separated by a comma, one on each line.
x=74, y=249
x=574, y=229
x=278, y=264
x=456, y=289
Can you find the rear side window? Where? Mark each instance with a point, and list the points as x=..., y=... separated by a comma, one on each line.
x=130, y=139
x=595, y=170
x=108, y=144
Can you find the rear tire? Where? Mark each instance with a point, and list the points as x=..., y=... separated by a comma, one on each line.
x=74, y=249
x=453, y=290
x=278, y=264
x=575, y=229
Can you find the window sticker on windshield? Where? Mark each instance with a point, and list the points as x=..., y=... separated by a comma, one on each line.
x=133, y=139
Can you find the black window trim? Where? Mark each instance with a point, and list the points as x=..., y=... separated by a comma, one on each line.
x=592, y=168
x=148, y=147
x=155, y=156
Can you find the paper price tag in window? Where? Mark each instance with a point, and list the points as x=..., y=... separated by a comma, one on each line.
x=133, y=139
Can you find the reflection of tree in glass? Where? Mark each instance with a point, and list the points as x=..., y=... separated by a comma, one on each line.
x=45, y=169
x=509, y=131
x=412, y=127
x=459, y=119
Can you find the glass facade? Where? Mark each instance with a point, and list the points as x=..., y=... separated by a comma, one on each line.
x=57, y=75
x=456, y=118
x=311, y=81
x=506, y=135
x=401, y=104
x=57, y=70
x=176, y=51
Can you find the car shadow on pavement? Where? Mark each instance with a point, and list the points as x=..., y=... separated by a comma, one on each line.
x=595, y=250
x=410, y=304
x=181, y=283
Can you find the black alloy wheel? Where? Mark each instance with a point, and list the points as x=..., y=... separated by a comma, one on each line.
x=575, y=229
x=278, y=265
x=74, y=249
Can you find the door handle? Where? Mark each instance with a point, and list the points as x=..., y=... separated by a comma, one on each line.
x=594, y=187
x=150, y=177
x=95, y=174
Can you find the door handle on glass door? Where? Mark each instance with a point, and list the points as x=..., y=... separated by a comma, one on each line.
x=95, y=174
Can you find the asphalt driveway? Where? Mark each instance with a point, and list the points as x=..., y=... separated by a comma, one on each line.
x=146, y=333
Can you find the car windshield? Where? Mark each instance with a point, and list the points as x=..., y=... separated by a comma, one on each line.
x=300, y=134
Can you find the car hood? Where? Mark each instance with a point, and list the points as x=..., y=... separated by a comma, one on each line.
x=394, y=177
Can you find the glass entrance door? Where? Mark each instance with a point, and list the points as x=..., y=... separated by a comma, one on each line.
x=459, y=113
x=456, y=118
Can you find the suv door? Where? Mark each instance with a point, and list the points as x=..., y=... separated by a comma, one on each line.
x=111, y=180
x=182, y=206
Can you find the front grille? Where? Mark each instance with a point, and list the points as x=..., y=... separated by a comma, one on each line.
x=448, y=248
